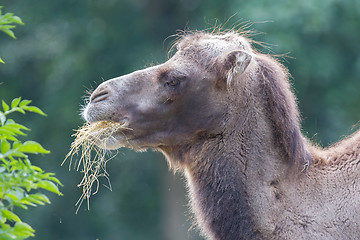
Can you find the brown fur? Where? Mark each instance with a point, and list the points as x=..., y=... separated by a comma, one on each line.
x=225, y=115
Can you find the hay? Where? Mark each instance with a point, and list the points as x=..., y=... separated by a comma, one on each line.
x=88, y=138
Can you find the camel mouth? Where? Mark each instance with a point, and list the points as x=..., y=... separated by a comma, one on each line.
x=97, y=134
x=105, y=134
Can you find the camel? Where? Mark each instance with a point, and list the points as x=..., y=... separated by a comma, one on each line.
x=224, y=115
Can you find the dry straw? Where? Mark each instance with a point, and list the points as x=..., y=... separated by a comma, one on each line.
x=92, y=161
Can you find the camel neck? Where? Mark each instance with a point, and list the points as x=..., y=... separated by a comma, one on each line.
x=218, y=177
x=230, y=178
x=221, y=204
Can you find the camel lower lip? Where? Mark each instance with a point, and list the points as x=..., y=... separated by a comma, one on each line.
x=114, y=141
x=110, y=143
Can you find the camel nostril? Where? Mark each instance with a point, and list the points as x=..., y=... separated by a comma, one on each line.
x=99, y=95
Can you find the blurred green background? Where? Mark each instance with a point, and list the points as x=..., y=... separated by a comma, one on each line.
x=67, y=47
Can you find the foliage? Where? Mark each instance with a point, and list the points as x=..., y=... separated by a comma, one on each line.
x=7, y=22
x=20, y=181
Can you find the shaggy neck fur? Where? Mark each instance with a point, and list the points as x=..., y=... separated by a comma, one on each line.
x=248, y=190
x=229, y=186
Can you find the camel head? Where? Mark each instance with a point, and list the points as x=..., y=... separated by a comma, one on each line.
x=176, y=102
x=211, y=82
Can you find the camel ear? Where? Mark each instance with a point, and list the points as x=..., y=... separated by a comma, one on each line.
x=232, y=63
x=237, y=61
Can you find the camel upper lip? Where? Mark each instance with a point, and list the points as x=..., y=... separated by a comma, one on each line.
x=123, y=121
x=91, y=115
x=90, y=119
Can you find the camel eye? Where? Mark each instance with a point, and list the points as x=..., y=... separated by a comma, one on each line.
x=173, y=83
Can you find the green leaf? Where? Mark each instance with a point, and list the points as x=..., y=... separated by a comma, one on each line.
x=11, y=138
x=24, y=229
x=39, y=199
x=8, y=32
x=36, y=168
x=5, y=227
x=5, y=106
x=16, y=144
x=24, y=103
x=13, y=130
x=9, y=121
x=54, y=179
x=32, y=147
x=21, y=205
x=6, y=132
x=18, y=154
x=4, y=146
x=25, y=201
x=29, y=185
x=16, y=125
x=15, y=102
x=10, y=215
x=50, y=186
x=10, y=197
x=16, y=19
x=34, y=109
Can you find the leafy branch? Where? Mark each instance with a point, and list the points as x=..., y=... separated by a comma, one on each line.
x=20, y=181
x=7, y=23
